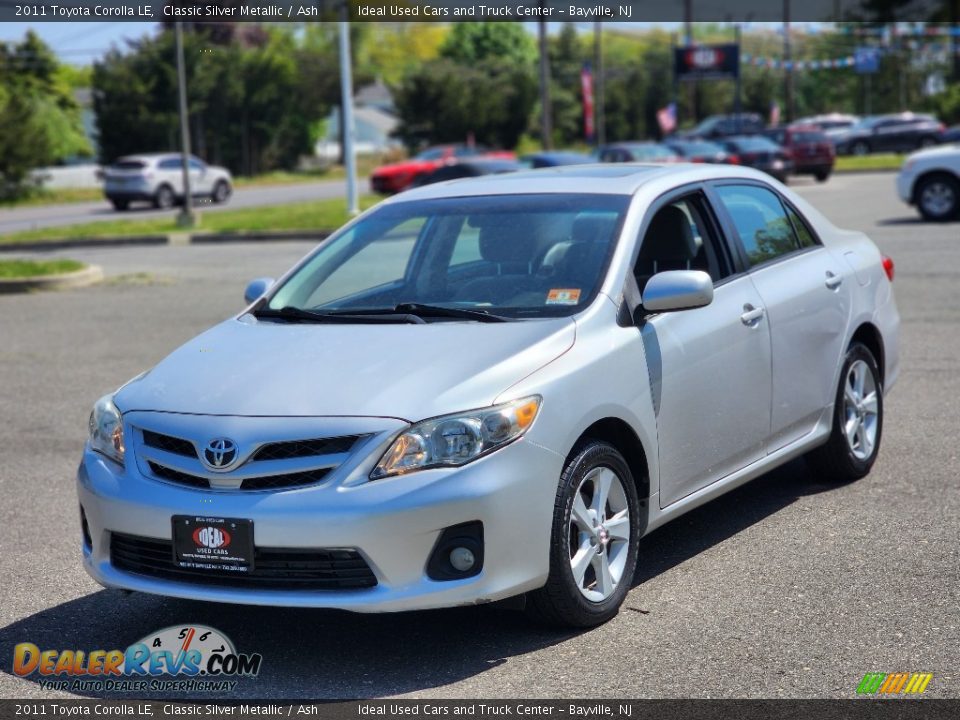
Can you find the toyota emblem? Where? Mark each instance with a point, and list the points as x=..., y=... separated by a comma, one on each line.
x=220, y=453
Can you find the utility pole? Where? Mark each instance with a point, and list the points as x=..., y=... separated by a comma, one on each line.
x=599, y=120
x=787, y=65
x=954, y=15
x=546, y=111
x=185, y=217
x=346, y=114
x=688, y=35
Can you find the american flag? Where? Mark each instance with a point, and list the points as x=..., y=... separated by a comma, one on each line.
x=667, y=118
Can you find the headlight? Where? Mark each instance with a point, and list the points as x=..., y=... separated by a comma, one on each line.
x=454, y=440
x=106, y=429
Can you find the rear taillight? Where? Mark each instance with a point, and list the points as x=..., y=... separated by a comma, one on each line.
x=733, y=159
x=888, y=267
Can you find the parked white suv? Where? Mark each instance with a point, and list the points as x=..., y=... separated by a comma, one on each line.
x=930, y=179
x=158, y=179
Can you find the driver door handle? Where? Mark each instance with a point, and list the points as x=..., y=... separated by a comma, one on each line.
x=833, y=281
x=751, y=316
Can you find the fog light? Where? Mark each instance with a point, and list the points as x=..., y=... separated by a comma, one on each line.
x=458, y=552
x=462, y=559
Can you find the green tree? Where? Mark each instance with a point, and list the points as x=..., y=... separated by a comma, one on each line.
x=443, y=101
x=472, y=42
x=39, y=118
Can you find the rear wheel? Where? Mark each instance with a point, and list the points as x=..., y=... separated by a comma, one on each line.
x=927, y=141
x=120, y=204
x=860, y=147
x=938, y=197
x=594, y=540
x=854, y=441
x=164, y=198
x=822, y=175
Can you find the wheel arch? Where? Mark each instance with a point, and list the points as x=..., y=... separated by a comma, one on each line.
x=868, y=334
x=622, y=436
x=927, y=175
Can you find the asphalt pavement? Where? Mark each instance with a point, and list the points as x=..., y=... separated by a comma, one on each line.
x=49, y=216
x=783, y=588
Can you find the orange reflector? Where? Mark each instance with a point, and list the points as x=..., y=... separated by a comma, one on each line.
x=526, y=413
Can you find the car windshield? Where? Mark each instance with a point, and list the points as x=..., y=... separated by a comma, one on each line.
x=430, y=154
x=755, y=143
x=521, y=256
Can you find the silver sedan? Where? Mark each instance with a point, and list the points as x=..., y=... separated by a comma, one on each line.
x=493, y=388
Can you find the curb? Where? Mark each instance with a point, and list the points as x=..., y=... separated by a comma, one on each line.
x=63, y=281
x=864, y=171
x=172, y=239
x=85, y=243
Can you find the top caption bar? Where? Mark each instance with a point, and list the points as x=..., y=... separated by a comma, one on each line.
x=623, y=11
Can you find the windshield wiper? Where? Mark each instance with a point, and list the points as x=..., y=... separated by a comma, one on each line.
x=295, y=314
x=421, y=310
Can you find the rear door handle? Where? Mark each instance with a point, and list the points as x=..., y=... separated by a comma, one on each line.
x=833, y=281
x=751, y=317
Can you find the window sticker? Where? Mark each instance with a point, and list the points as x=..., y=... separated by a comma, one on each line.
x=563, y=296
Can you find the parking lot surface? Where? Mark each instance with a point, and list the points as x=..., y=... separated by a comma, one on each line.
x=785, y=587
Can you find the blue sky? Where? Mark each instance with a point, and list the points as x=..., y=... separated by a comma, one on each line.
x=79, y=43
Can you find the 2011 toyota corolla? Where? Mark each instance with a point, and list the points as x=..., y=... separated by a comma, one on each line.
x=492, y=388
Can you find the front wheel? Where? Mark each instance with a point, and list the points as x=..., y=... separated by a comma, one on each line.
x=854, y=441
x=938, y=197
x=594, y=540
x=221, y=191
x=822, y=175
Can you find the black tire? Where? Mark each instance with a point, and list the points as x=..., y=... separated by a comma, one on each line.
x=835, y=461
x=560, y=602
x=221, y=191
x=927, y=141
x=822, y=175
x=860, y=147
x=120, y=204
x=943, y=184
x=164, y=199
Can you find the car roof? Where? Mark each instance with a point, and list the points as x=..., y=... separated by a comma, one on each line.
x=149, y=156
x=595, y=179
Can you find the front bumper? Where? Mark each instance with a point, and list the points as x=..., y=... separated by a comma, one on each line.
x=394, y=523
x=905, y=186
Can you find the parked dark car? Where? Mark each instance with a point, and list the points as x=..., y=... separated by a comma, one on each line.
x=722, y=126
x=762, y=153
x=553, y=159
x=951, y=134
x=887, y=133
x=636, y=152
x=701, y=151
x=811, y=150
x=831, y=122
x=468, y=168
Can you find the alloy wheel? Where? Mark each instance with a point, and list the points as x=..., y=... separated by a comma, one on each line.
x=860, y=410
x=599, y=534
x=938, y=198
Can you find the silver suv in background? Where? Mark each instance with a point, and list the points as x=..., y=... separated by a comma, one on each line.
x=158, y=178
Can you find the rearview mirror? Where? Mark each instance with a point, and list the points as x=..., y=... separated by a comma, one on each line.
x=677, y=290
x=256, y=289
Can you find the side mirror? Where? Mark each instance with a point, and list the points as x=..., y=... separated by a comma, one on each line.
x=256, y=289
x=677, y=290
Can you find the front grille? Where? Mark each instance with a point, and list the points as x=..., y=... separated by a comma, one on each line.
x=305, y=448
x=265, y=482
x=276, y=568
x=169, y=444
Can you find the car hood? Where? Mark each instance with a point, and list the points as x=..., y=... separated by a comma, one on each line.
x=935, y=153
x=252, y=368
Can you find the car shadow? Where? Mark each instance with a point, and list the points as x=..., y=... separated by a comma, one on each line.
x=912, y=221
x=321, y=654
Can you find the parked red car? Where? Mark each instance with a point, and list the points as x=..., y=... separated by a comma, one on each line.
x=399, y=176
x=811, y=150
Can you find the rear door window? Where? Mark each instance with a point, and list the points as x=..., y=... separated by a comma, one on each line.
x=761, y=222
